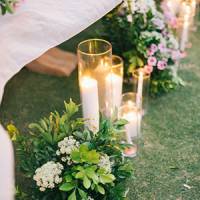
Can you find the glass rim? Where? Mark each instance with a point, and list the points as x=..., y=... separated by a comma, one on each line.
x=145, y=74
x=94, y=54
x=121, y=63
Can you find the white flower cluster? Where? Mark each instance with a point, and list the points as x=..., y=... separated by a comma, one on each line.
x=105, y=163
x=47, y=176
x=154, y=34
x=66, y=146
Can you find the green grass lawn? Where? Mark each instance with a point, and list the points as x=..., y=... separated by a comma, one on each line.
x=170, y=156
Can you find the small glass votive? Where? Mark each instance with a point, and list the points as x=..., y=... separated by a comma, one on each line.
x=141, y=81
x=114, y=83
x=132, y=129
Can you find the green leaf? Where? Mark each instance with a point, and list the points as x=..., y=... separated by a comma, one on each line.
x=72, y=196
x=68, y=178
x=100, y=189
x=80, y=175
x=92, y=174
x=133, y=61
x=140, y=62
x=13, y=132
x=36, y=126
x=92, y=157
x=67, y=187
x=75, y=156
x=71, y=108
x=121, y=123
x=107, y=178
x=86, y=182
x=82, y=194
x=43, y=124
x=83, y=148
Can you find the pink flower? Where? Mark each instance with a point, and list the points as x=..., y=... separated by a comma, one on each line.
x=161, y=65
x=152, y=61
x=150, y=52
x=130, y=18
x=162, y=48
x=148, y=69
x=154, y=48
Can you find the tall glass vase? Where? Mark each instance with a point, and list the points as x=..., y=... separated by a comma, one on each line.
x=95, y=64
x=186, y=19
x=115, y=80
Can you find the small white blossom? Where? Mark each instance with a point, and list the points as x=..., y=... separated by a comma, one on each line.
x=66, y=146
x=130, y=18
x=64, y=159
x=58, y=153
x=42, y=189
x=47, y=176
x=105, y=163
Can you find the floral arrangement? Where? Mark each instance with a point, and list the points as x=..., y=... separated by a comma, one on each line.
x=63, y=160
x=140, y=34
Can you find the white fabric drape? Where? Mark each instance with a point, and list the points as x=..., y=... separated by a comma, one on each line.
x=37, y=26
x=6, y=167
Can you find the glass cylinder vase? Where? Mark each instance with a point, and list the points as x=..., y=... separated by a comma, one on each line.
x=95, y=63
x=132, y=129
x=115, y=80
x=141, y=81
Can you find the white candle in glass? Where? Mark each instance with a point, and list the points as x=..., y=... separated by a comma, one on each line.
x=193, y=4
x=7, y=167
x=90, y=102
x=139, y=90
x=100, y=72
x=133, y=127
x=113, y=91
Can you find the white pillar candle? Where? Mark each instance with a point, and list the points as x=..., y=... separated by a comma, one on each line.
x=139, y=90
x=194, y=4
x=100, y=72
x=133, y=127
x=90, y=103
x=7, y=167
x=113, y=91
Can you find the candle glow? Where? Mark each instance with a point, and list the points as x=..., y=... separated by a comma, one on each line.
x=90, y=103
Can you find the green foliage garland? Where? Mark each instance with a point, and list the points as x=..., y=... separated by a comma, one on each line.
x=88, y=165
